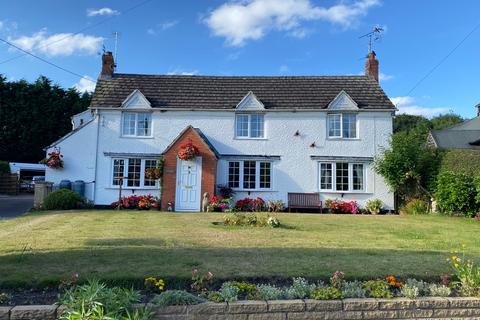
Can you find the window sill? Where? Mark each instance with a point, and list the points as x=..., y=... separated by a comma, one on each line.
x=343, y=139
x=240, y=138
x=132, y=188
x=254, y=190
x=137, y=137
x=345, y=192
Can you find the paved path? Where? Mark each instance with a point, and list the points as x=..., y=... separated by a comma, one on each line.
x=13, y=206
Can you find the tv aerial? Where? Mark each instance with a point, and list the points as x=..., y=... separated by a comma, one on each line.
x=373, y=36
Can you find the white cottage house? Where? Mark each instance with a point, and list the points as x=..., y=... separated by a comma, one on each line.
x=262, y=136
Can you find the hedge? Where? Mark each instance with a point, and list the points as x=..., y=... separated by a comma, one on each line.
x=464, y=161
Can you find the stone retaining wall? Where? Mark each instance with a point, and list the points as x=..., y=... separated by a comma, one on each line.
x=351, y=309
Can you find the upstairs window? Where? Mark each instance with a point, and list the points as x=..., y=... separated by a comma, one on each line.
x=249, y=126
x=342, y=125
x=137, y=124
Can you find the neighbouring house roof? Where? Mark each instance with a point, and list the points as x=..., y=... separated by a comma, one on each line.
x=224, y=93
x=455, y=139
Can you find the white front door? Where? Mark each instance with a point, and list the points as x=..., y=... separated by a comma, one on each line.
x=189, y=175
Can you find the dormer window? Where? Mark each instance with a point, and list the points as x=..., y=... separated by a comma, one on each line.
x=249, y=126
x=137, y=124
x=342, y=125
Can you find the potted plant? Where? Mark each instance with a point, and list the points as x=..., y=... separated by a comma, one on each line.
x=53, y=160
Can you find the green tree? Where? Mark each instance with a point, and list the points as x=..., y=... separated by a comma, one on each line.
x=408, y=122
x=445, y=121
x=33, y=115
x=409, y=166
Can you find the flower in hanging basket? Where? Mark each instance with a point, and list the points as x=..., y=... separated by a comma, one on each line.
x=187, y=151
x=53, y=160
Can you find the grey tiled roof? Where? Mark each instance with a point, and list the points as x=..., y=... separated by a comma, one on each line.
x=216, y=92
x=455, y=139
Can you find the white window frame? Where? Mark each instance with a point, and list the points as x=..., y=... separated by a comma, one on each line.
x=249, y=126
x=341, y=126
x=125, y=174
x=350, y=177
x=136, y=135
x=257, y=175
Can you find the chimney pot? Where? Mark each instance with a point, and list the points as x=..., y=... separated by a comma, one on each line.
x=478, y=109
x=108, y=66
x=371, y=66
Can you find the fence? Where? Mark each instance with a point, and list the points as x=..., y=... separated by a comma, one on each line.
x=9, y=184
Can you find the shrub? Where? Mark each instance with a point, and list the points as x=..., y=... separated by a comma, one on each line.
x=269, y=292
x=4, y=298
x=409, y=291
x=464, y=161
x=300, y=289
x=248, y=204
x=420, y=284
x=456, y=193
x=4, y=167
x=62, y=199
x=218, y=204
x=229, y=292
x=329, y=293
x=374, y=206
x=250, y=219
x=245, y=289
x=176, y=298
x=225, y=191
x=215, y=296
x=439, y=290
x=95, y=297
x=137, y=202
x=467, y=275
x=377, y=289
x=353, y=290
x=415, y=207
x=275, y=206
x=344, y=206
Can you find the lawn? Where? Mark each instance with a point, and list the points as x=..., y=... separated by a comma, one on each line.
x=131, y=245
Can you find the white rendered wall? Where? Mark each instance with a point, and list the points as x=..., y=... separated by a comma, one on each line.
x=294, y=172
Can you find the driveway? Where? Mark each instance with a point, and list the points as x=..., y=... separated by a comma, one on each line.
x=13, y=206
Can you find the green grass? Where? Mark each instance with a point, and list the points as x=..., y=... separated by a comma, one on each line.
x=131, y=245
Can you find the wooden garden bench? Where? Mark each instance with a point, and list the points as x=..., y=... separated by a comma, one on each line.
x=304, y=201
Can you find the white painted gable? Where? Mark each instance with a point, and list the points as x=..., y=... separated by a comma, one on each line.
x=343, y=102
x=250, y=103
x=136, y=100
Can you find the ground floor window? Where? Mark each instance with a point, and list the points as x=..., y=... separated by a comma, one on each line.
x=250, y=175
x=341, y=176
x=132, y=171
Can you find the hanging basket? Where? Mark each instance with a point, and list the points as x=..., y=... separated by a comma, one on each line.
x=53, y=160
x=188, y=151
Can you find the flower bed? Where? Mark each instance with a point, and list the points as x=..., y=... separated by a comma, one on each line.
x=337, y=206
x=137, y=202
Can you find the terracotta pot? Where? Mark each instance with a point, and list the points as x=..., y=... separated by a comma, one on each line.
x=402, y=213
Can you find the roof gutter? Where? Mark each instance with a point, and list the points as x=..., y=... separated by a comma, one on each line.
x=234, y=110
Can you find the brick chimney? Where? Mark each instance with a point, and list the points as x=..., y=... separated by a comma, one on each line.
x=108, y=66
x=371, y=66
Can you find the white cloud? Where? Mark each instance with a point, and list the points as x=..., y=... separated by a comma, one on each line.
x=182, y=72
x=408, y=105
x=385, y=77
x=162, y=27
x=243, y=20
x=102, y=12
x=284, y=69
x=59, y=44
x=85, y=85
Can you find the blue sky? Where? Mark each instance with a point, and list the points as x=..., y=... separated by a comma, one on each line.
x=256, y=37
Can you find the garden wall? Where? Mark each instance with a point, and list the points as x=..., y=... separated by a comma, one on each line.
x=422, y=308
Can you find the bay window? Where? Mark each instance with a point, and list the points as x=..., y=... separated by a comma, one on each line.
x=341, y=177
x=132, y=172
x=342, y=125
x=137, y=124
x=249, y=126
x=250, y=175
